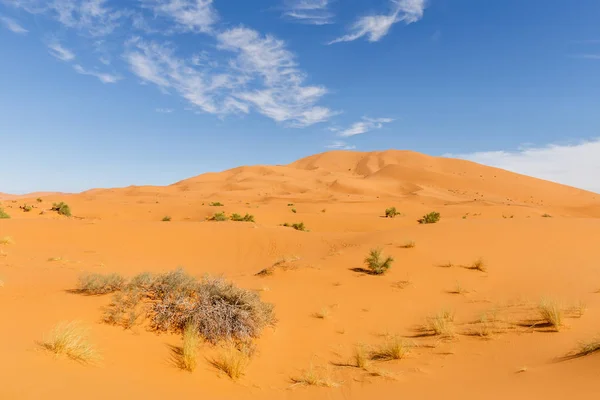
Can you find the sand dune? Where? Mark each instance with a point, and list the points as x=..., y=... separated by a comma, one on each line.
x=538, y=240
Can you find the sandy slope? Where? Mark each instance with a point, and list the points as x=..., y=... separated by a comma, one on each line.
x=341, y=197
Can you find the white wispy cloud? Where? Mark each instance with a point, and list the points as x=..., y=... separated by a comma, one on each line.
x=588, y=56
x=364, y=126
x=374, y=27
x=576, y=165
x=13, y=25
x=102, y=76
x=340, y=145
x=313, y=12
x=92, y=17
x=60, y=52
x=190, y=15
x=282, y=96
x=164, y=110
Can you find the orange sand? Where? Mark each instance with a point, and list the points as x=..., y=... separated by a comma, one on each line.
x=120, y=230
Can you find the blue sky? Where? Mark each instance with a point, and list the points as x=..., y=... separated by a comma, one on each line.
x=105, y=93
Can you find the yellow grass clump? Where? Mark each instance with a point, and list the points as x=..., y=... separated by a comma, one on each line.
x=6, y=240
x=394, y=348
x=70, y=339
x=442, y=324
x=233, y=360
x=311, y=377
x=189, y=351
x=551, y=313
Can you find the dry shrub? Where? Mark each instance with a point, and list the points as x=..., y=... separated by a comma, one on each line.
x=409, y=244
x=322, y=314
x=218, y=309
x=95, y=284
x=360, y=357
x=3, y=214
x=70, y=339
x=394, y=348
x=479, y=265
x=7, y=240
x=587, y=348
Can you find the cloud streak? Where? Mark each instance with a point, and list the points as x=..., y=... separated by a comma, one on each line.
x=189, y=15
x=375, y=27
x=364, y=126
x=340, y=145
x=576, y=165
x=13, y=26
x=60, y=52
x=102, y=76
x=313, y=12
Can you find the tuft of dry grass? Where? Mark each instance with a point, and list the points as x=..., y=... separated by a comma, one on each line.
x=484, y=326
x=589, y=347
x=312, y=377
x=479, y=265
x=6, y=240
x=409, y=244
x=189, y=350
x=70, y=339
x=360, y=357
x=578, y=309
x=442, y=324
x=394, y=348
x=324, y=313
x=551, y=313
x=458, y=289
x=233, y=360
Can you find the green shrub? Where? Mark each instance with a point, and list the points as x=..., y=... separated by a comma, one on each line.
x=291, y=205
x=239, y=218
x=166, y=219
x=220, y=216
x=39, y=200
x=27, y=208
x=216, y=204
x=376, y=263
x=430, y=218
x=3, y=214
x=297, y=226
x=391, y=212
x=62, y=208
x=546, y=216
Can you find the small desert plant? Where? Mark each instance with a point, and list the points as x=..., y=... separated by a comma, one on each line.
x=589, y=347
x=290, y=204
x=39, y=200
x=479, y=265
x=546, y=216
x=484, y=326
x=189, y=350
x=322, y=314
x=294, y=210
x=166, y=219
x=360, y=357
x=233, y=360
x=239, y=218
x=3, y=214
x=219, y=217
x=62, y=208
x=6, y=240
x=551, y=313
x=430, y=218
x=376, y=263
x=458, y=289
x=299, y=226
x=216, y=204
x=94, y=284
x=395, y=348
x=408, y=244
x=391, y=212
x=70, y=339
x=27, y=207
x=442, y=324
x=311, y=377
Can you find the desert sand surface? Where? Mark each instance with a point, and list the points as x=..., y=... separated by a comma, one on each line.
x=538, y=240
